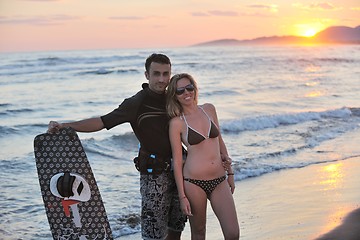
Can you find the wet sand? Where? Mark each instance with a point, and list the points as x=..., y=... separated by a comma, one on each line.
x=315, y=202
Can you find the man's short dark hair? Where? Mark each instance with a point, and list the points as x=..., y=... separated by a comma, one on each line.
x=158, y=58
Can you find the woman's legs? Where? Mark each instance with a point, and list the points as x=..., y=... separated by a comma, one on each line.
x=198, y=203
x=223, y=205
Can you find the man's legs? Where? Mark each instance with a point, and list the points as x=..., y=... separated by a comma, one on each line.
x=154, y=210
x=161, y=216
x=177, y=219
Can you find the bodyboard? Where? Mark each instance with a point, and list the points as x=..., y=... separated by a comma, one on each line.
x=72, y=200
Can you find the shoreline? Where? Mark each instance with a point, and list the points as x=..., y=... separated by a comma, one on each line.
x=317, y=202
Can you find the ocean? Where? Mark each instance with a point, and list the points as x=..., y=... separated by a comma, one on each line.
x=279, y=107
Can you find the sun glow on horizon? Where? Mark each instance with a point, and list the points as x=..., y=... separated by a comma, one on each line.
x=310, y=33
x=308, y=30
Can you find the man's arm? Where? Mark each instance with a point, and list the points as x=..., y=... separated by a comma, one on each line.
x=86, y=125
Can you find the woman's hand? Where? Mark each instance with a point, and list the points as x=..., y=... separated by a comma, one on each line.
x=185, y=206
x=231, y=182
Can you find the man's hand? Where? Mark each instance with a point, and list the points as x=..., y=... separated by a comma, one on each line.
x=54, y=127
x=226, y=161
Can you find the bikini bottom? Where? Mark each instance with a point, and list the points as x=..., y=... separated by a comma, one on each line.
x=207, y=185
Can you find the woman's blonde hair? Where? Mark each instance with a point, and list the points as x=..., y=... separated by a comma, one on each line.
x=173, y=106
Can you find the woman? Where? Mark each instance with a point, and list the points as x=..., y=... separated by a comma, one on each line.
x=202, y=176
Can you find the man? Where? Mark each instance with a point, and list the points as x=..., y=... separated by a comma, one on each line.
x=161, y=216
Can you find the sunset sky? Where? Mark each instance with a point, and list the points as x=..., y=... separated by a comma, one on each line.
x=36, y=25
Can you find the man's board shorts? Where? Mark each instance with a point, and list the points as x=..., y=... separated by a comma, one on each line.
x=160, y=206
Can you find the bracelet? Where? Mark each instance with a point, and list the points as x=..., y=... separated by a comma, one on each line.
x=230, y=174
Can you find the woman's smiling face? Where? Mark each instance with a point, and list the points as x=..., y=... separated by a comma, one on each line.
x=187, y=96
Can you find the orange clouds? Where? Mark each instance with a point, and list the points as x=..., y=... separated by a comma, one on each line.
x=68, y=24
x=317, y=6
x=38, y=20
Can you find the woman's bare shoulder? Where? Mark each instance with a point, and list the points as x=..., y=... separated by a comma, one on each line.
x=209, y=107
x=175, y=121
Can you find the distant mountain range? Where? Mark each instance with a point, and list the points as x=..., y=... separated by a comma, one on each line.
x=334, y=35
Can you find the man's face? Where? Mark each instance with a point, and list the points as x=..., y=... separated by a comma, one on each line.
x=158, y=76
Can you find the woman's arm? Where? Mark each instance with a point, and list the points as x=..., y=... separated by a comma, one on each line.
x=223, y=150
x=175, y=140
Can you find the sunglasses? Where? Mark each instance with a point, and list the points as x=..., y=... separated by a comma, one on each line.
x=181, y=90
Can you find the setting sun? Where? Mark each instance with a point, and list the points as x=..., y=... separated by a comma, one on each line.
x=309, y=33
x=309, y=29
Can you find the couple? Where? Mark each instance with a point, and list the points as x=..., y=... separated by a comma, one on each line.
x=201, y=177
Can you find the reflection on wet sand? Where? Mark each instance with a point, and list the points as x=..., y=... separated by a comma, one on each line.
x=348, y=230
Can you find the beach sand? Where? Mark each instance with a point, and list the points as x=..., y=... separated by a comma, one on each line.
x=315, y=202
